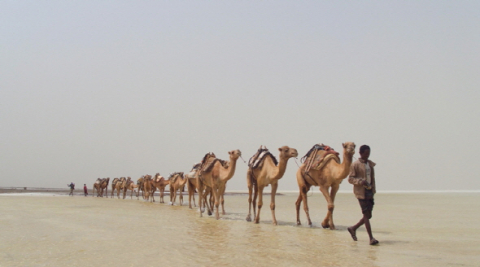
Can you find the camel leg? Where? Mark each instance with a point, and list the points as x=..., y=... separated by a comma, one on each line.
x=297, y=207
x=254, y=201
x=272, y=203
x=305, y=204
x=174, y=196
x=191, y=192
x=250, y=187
x=222, y=200
x=200, y=196
x=325, y=223
x=260, y=203
x=329, y=218
x=189, y=197
x=216, y=195
x=211, y=201
x=181, y=197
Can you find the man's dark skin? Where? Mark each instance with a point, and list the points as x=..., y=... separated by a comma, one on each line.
x=366, y=217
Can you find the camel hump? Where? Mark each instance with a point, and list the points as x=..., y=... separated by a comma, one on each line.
x=257, y=160
x=325, y=160
x=318, y=156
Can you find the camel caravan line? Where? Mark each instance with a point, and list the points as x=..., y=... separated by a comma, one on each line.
x=321, y=167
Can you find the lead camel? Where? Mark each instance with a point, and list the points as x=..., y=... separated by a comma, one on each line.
x=328, y=176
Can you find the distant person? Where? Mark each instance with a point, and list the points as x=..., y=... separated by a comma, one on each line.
x=72, y=187
x=85, y=190
x=362, y=176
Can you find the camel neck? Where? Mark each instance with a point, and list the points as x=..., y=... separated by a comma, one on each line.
x=282, y=166
x=228, y=173
x=345, y=165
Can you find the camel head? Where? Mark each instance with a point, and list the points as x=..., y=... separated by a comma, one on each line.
x=287, y=152
x=349, y=148
x=235, y=154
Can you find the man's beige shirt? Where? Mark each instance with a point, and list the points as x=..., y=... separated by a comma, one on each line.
x=358, y=175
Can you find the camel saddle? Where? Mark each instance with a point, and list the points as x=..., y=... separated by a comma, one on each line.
x=191, y=174
x=256, y=161
x=173, y=177
x=209, y=161
x=318, y=156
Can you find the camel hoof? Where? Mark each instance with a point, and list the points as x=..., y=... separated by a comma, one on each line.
x=209, y=213
x=299, y=223
x=274, y=223
x=248, y=219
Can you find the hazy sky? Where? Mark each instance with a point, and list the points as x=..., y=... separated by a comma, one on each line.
x=94, y=89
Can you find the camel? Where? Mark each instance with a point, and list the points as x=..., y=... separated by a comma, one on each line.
x=160, y=183
x=147, y=187
x=96, y=186
x=177, y=182
x=192, y=189
x=215, y=173
x=100, y=185
x=140, y=186
x=120, y=185
x=192, y=184
x=104, y=186
x=263, y=173
x=327, y=177
x=114, y=185
x=129, y=185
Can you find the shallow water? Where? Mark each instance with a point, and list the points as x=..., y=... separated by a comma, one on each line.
x=413, y=229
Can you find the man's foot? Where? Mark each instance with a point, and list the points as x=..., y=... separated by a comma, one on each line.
x=352, y=233
x=373, y=241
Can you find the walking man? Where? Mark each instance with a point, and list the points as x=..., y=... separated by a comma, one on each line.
x=85, y=190
x=72, y=187
x=362, y=176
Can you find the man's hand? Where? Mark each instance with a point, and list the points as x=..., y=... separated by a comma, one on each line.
x=366, y=185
